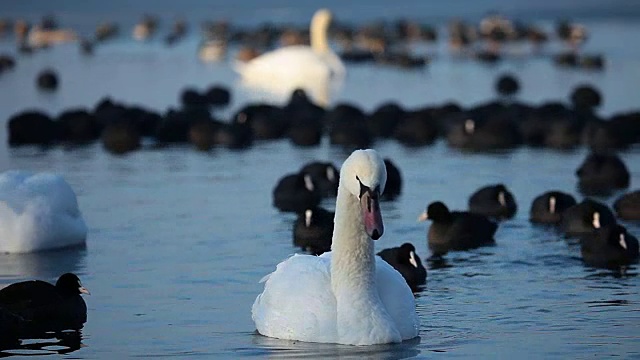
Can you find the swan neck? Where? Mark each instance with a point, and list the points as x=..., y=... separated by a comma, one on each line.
x=318, y=34
x=353, y=259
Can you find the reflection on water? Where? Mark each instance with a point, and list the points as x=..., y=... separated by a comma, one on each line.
x=617, y=302
x=47, y=265
x=289, y=349
x=622, y=272
x=45, y=344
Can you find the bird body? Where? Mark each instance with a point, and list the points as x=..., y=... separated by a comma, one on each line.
x=456, y=230
x=47, y=307
x=405, y=260
x=313, y=68
x=346, y=296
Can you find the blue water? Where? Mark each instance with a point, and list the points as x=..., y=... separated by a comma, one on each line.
x=179, y=239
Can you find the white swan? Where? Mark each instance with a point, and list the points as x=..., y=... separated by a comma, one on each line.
x=38, y=212
x=315, y=68
x=349, y=295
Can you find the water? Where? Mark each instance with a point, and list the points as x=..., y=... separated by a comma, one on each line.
x=178, y=239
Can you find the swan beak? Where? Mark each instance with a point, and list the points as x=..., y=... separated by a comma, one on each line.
x=424, y=216
x=84, y=290
x=370, y=205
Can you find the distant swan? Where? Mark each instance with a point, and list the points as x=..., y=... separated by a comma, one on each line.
x=349, y=295
x=314, y=68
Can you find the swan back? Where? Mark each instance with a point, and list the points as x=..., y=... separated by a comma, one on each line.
x=38, y=212
x=314, y=68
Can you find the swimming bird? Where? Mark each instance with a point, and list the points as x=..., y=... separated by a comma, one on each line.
x=547, y=208
x=394, y=181
x=585, y=217
x=47, y=80
x=346, y=296
x=38, y=212
x=313, y=68
x=325, y=175
x=456, y=230
x=31, y=127
x=313, y=229
x=296, y=192
x=145, y=28
x=405, y=260
x=600, y=174
x=609, y=247
x=627, y=206
x=47, y=307
x=493, y=201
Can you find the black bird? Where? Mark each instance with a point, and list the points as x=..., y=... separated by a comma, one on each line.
x=405, y=260
x=47, y=307
x=547, y=208
x=493, y=201
x=313, y=230
x=600, y=174
x=609, y=247
x=325, y=175
x=627, y=206
x=507, y=85
x=47, y=80
x=393, y=186
x=585, y=217
x=456, y=230
x=296, y=193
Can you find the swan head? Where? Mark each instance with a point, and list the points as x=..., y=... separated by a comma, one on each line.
x=322, y=18
x=364, y=176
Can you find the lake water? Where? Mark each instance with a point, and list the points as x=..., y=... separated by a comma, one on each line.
x=178, y=239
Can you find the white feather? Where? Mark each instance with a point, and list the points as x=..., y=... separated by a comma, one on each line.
x=316, y=69
x=38, y=212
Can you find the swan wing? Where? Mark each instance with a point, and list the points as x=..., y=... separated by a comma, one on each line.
x=397, y=298
x=297, y=302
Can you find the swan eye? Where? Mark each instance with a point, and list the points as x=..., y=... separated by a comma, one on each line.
x=364, y=188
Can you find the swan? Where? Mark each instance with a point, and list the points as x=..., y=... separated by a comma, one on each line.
x=38, y=212
x=348, y=295
x=285, y=69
